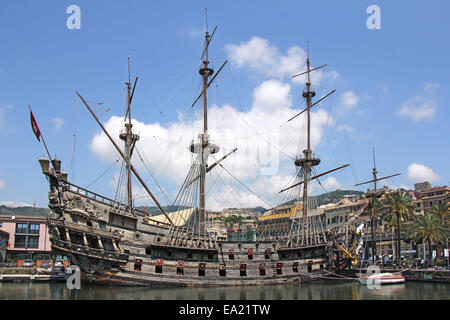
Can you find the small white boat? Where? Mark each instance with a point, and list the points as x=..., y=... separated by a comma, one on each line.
x=381, y=278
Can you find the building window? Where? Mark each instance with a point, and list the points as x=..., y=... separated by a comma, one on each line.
x=33, y=242
x=20, y=242
x=21, y=228
x=34, y=229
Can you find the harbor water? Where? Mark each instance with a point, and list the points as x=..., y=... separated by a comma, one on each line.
x=318, y=290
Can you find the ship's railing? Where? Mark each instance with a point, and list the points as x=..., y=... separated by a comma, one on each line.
x=99, y=253
x=97, y=197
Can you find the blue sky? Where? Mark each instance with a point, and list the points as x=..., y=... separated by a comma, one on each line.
x=392, y=90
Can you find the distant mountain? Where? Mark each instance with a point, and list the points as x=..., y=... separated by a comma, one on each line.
x=330, y=197
x=24, y=211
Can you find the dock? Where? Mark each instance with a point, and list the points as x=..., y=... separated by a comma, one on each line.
x=32, y=278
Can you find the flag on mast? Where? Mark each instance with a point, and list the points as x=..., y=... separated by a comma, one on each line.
x=34, y=126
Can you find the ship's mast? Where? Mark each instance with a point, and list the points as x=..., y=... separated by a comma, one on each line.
x=307, y=162
x=205, y=72
x=373, y=196
x=129, y=138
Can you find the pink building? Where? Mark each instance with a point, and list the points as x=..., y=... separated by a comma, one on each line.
x=28, y=238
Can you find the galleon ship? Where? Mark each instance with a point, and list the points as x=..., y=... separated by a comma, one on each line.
x=116, y=243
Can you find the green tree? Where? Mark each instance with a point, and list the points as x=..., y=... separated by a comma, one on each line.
x=441, y=212
x=427, y=229
x=398, y=206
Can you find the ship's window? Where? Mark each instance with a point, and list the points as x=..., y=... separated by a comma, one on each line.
x=137, y=264
x=210, y=255
x=158, y=269
x=201, y=269
x=93, y=242
x=295, y=267
x=126, y=251
x=222, y=271
x=243, y=270
x=74, y=218
x=279, y=268
x=299, y=254
x=102, y=225
x=262, y=270
x=148, y=251
x=107, y=245
x=89, y=223
x=180, y=271
x=62, y=234
x=189, y=256
x=310, y=266
x=76, y=238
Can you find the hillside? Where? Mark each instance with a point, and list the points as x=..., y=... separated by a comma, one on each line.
x=24, y=211
x=331, y=197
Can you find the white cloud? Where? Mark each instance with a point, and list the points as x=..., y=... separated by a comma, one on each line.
x=58, y=123
x=331, y=183
x=14, y=204
x=430, y=87
x=421, y=106
x=418, y=173
x=194, y=32
x=349, y=100
x=258, y=55
x=2, y=184
x=166, y=147
x=418, y=109
x=345, y=127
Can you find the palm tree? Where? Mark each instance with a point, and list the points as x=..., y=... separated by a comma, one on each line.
x=400, y=204
x=427, y=228
x=441, y=211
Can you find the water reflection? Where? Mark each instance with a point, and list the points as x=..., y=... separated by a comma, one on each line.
x=320, y=290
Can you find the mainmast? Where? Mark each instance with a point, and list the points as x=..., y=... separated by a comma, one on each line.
x=129, y=138
x=308, y=161
x=203, y=149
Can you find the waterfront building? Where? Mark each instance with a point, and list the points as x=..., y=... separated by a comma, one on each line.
x=428, y=196
x=4, y=243
x=277, y=222
x=338, y=214
x=245, y=233
x=28, y=238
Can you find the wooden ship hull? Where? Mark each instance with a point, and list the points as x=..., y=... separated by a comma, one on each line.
x=114, y=246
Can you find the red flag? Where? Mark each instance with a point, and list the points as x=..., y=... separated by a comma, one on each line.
x=34, y=126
